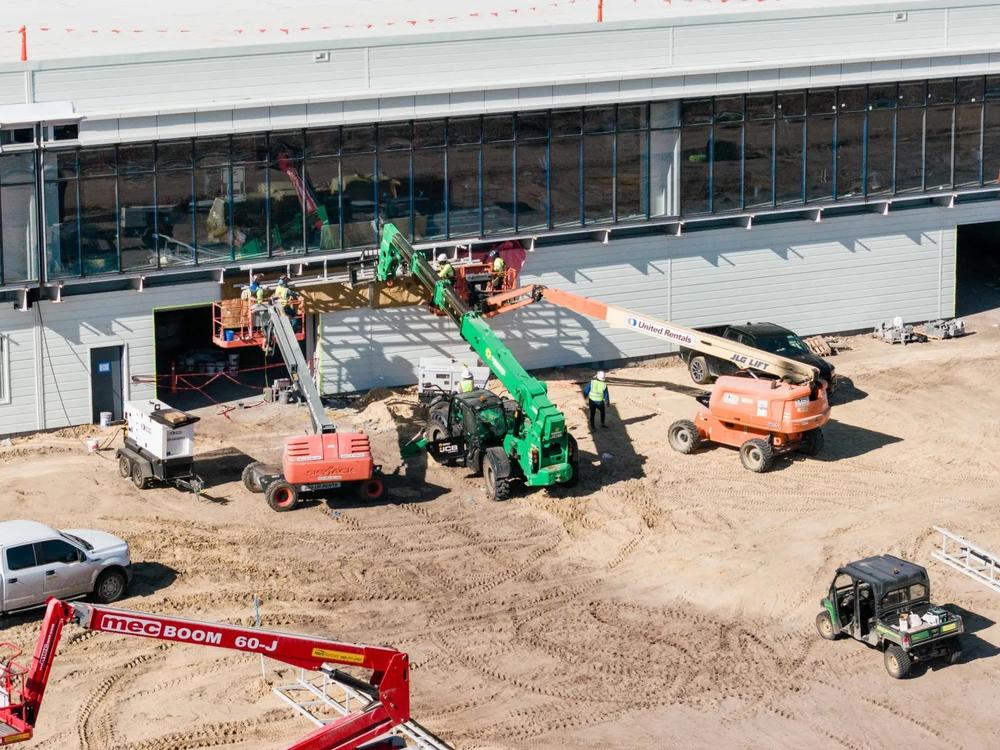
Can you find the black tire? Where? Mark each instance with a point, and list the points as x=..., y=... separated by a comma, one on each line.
x=124, y=466
x=497, y=487
x=897, y=662
x=824, y=626
x=699, y=371
x=371, y=490
x=281, y=496
x=812, y=442
x=248, y=478
x=756, y=455
x=683, y=436
x=137, y=478
x=110, y=586
x=574, y=462
x=956, y=652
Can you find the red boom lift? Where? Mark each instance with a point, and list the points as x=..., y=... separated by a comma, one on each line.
x=22, y=689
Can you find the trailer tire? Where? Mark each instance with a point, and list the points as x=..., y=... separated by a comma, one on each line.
x=812, y=442
x=110, y=586
x=496, y=470
x=248, y=478
x=124, y=466
x=756, y=455
x=281, y=496
x=371, y=490
x=138, y=479
x=699, y=371
x=897, y=662
x=824, y=626
x=683, y=436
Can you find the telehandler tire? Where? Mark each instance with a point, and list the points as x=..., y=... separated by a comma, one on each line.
x=496, y=471
x=756, y=455
x=699, y=371
x=897, y=662
x=248, y=478
x=281, y=496
x=812, y=442
x=683, y=436
x=824, y=626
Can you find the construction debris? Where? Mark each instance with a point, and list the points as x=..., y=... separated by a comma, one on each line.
x=944, y=329
x=896, y=332
x=821, y=346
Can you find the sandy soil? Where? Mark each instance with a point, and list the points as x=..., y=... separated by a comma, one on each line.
x=668, y=602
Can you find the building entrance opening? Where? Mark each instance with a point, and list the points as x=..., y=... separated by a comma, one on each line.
x=192, y=371
x=977, y=268
x=106, y=393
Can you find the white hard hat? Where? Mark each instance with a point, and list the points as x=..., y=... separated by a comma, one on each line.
x=600, y=374
x=442, y=258
x=466, y=374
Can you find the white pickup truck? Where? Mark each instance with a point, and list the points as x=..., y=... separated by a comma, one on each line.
x=39, y=562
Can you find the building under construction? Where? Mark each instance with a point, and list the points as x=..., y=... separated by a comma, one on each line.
x=822, y=168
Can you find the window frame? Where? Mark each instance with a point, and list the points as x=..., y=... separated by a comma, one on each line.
x=5, y=390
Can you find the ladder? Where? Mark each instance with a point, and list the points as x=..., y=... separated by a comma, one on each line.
x=968, y=559
x=323, y=696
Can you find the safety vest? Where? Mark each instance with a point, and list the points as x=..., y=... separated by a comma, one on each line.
x=446, y=272
x=467, y=385
x=282, y=293
x=597, y=389
x=498, y=265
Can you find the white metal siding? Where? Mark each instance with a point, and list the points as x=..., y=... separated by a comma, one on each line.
x=844, y=273
x=18, y=411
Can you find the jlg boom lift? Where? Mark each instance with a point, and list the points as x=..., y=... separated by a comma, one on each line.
x=523, y=438
x=762, y=417
x=388, y=689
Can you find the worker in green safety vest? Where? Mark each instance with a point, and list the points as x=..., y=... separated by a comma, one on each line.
x=499, y=268
x=596, y=393
x=468, y=385
x=446, y=271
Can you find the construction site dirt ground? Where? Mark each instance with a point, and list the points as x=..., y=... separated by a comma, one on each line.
x=667, y=601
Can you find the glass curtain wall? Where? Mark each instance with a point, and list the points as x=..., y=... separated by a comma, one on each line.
x=18, y=242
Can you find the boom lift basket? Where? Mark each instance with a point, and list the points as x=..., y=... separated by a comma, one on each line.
x=233, y=324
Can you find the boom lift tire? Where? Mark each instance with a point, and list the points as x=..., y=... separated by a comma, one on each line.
x=897, y=662
x=683, y=436
x=756, y=455
x=281, y=496
x=248, y=478
x=110, y=586
x=812, y=442
x=496, y=471
x=698, y=369
x=124, y=467
x=137, y=478
x=824, y=626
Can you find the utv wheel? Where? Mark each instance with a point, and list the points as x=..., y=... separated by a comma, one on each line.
x=956, y=653
x=137, y=478
x=281, y=496
x=824, y=625
x=497, y=487
x=756, y=455
x=124, y=467
x=371, y=490
x=249, y=480
x=110, y=586
x=698, y=369
x=812, y=442
x=897, y=662
x=683, y=436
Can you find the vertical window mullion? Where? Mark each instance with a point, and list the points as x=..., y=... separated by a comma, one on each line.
x=743, y=164
x=774, y=162
x=804, y=160
x=581, y=208
x=711, y=168
x=79, y=219
x=836, y=156
x=648, y=159
x=923, y=149
x=413, y=210
x=548, y=176
x=982, y=140
x=614, y=174
x=376, y=187
x=514, y=175
x=118, y=213
x=864, y=153
x=954, y=126
x=895, y=132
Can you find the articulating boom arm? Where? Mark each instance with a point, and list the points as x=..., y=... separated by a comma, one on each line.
x=389, y=684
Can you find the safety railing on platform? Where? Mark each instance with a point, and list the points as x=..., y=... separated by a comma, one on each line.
x=969, y=559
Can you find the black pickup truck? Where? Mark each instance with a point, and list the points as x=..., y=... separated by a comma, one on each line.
x=704, y=368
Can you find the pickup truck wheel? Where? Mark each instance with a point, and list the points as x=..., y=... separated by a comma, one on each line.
x=497, y=487
x=812, y=442
x=281, y=496
x=683, y=436
x=756, y=455
x=897, y=662
x=110, y=586
x=249, y=480
x=824, y=626
x=137, y=478
x=698, y=369
x=124, y=467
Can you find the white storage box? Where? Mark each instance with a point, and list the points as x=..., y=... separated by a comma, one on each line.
x=160, y=429
x=446, y=374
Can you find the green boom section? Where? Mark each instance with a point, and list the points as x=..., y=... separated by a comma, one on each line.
x=538, y=440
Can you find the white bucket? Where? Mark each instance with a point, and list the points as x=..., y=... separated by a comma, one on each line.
x=92, y=444
x=105, y=419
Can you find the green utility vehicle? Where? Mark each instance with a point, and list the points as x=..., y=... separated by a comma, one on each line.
x=869, y=600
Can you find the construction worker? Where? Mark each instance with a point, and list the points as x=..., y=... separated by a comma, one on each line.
x=255, y=291
x=499, y=268
x=284, y=295
x=468, y=385
x=446, y=272
x=596, y=392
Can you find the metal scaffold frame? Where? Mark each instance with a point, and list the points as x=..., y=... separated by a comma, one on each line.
x=314, y=693
x=969, y=559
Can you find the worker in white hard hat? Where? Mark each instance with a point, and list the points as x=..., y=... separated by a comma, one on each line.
x=468, y=385
x=499, y=269
x=446, y=272
x=596, y=393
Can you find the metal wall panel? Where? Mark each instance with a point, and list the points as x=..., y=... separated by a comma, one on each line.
x=77, y=324
x=12, y=88
x=844, y=273
x=19, y=412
